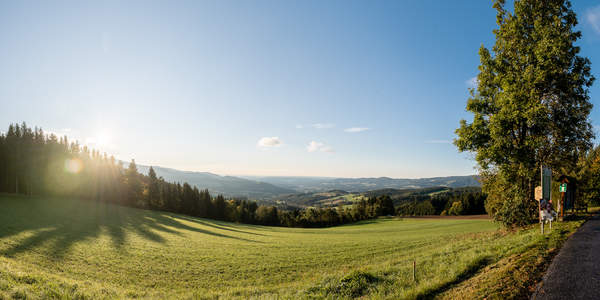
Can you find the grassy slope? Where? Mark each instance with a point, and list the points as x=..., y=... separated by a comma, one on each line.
x=69, y=248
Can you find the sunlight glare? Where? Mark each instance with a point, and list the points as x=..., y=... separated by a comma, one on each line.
x=73, y=166
x=101, y=140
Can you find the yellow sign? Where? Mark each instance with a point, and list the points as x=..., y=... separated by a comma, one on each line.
x=538, y=193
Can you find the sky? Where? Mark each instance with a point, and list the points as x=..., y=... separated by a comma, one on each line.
x=272, y=88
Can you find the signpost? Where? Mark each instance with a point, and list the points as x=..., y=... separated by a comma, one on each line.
x=562, y=189
x=538, y=193
x=546, y=183
x=543, y=194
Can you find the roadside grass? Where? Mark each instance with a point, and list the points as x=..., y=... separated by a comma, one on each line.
x=516, y=275
x=594, y=209
x=70, y=249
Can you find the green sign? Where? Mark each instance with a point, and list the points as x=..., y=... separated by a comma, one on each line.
x=562, y=188
x=546, y=183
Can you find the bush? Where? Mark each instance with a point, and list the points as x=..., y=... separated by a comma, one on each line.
x=507, y=203
x=456, y=209
x=352, y=285
x=356, y=283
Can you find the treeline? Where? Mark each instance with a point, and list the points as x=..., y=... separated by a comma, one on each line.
x=462, y=201
x=35, y=163
x=323, y=217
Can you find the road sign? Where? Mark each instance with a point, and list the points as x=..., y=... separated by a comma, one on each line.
x=538, y=193
x=546, y=183
x=562, y=188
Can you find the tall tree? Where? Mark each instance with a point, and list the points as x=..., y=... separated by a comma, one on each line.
x=134, y=185
x=154, y=197
x=530, y=107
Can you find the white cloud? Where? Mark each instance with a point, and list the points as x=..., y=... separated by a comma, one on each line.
x=438, y=142
x=356, y=129
x=319, y=147
x=269, y=142
x=471, y=82
x=593, y=17
x=323, y=125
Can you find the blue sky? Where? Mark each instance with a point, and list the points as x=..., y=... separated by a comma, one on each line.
x=307, y=88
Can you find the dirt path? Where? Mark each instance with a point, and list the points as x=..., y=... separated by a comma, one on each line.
x=575, y=271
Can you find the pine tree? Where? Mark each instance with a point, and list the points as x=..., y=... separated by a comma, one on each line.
x=154, y=197
x=134, y=185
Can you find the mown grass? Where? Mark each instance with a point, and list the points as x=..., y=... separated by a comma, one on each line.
x=70, y=249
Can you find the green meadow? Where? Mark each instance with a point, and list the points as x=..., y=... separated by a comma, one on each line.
x=71, y=249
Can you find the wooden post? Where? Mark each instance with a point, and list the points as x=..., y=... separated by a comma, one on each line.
x=542, y=197
x=562, y=205
x=542, y=225
x=414, y=270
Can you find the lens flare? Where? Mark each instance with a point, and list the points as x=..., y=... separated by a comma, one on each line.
x=73, y=166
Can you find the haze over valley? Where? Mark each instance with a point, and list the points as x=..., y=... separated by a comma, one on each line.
x=267, y=188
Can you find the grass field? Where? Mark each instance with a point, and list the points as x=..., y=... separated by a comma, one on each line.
x=61, y=248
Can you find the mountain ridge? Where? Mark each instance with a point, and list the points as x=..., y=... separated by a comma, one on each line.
x=271, y=187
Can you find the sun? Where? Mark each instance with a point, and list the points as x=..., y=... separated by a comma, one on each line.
x=103, y=139
x=99, y=140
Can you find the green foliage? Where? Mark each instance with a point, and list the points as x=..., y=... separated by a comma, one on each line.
x=352, y=285
x=456, y=209
x=531, y=104
x=471, y=200
x=424, y=209
x=589, y=177
x=356, y=283
x=505, y=202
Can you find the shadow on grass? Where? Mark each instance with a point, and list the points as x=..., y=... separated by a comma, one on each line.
x=216, y=225
x=469, y=272
x=61, y=223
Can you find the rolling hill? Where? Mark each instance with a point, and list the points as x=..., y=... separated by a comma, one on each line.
x=277, y=188
x=229, y=186
x=321, y=184
x=336, y=198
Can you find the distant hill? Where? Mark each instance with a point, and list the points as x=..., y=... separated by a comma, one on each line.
x=229, y=186
x=283, y=188
x=321, y=184
x=336, y=198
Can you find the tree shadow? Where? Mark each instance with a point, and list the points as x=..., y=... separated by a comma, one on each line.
x=472, y=269
x=217, y=225
x=61, y=223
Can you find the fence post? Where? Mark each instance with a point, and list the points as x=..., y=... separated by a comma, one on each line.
x=414, y=270
x=542, y=223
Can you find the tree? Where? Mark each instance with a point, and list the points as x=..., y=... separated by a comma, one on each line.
x=154, y=197
x=386, y=205
x=219, y=207
x=456, y=209
x=590, y=177
x=530, y=106
x=134, y=185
